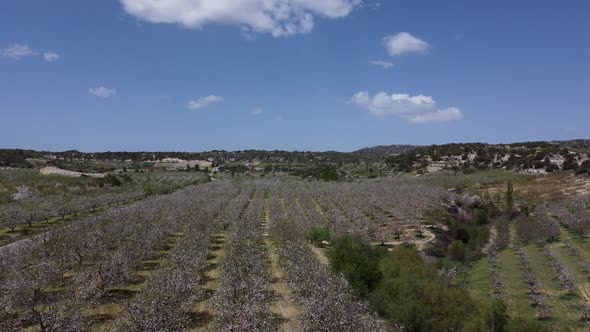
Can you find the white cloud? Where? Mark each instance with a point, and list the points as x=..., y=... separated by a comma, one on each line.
x=50, y=56
x=277, y=17
x=17, y=51
x=384, y=64
x=414, y=109
x=279, y=118
x=404, y=43
x=256, y=111
x=102, y=92
x=204, y=102
x=439, y=116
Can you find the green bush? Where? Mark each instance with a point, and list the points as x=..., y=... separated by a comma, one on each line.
x=113, y=180
x=319, y=172
x=496, y=316
x=359, y=262
x=408, y=292
x=412, y=295
x=457, y=250
x=468, y=171
x=481, y=217
x=404, y=289
x=319, y=234
x=583, y=168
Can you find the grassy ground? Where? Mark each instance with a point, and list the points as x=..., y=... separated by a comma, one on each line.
x=537, y=188
x=565, y=308
x=516, y=290
x=516, y=296
x=576, y=265
x=479, y=280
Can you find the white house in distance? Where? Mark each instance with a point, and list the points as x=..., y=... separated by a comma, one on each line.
x=172, y=164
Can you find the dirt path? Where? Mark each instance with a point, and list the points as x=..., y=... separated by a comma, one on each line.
x=283, y=305
x=421, y=243
x=202, y=310
x=320, y=254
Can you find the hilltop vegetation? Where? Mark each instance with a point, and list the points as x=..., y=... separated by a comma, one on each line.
x=377, y=153
x=540, y=157
x=536, y=157
x=27, y=158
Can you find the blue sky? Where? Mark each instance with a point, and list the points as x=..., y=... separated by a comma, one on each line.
x=233, y=74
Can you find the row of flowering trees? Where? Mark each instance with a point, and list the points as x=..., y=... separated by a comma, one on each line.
x=378, y=211
x=533, y=284
x=539, y=228
x=53, y=280
x=561, y=271
x=242, y=302
x=28, y=205
x=325, y=299
x=498, y=288
x=25, y=212
x=574, y=216
x=167, y=296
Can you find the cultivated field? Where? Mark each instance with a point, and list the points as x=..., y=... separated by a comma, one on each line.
x=278, y=253
x=540, y=263
x=228, y=255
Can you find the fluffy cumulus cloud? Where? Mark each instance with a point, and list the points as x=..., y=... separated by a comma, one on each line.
x=415, y=109
x=102, y=92
x=50, y=56
x=17, y=51
x=383, y=64
x=404, y=43
x=204, y=102
x=277, y=17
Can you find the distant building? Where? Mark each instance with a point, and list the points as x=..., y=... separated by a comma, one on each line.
x=173, y=164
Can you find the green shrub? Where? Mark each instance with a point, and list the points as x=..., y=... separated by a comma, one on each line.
x=319, y=234
x=457, y=251
x=468, y=171
x=412, y=295
x=481, y=217
x=405, y=290
x=496, y=316
x=408, y=292
x=113, y=180
x=359, y=262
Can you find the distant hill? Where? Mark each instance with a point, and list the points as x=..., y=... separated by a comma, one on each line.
x=532, y=157
x=22, y=158
x=574, y=143
x=381, y=151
